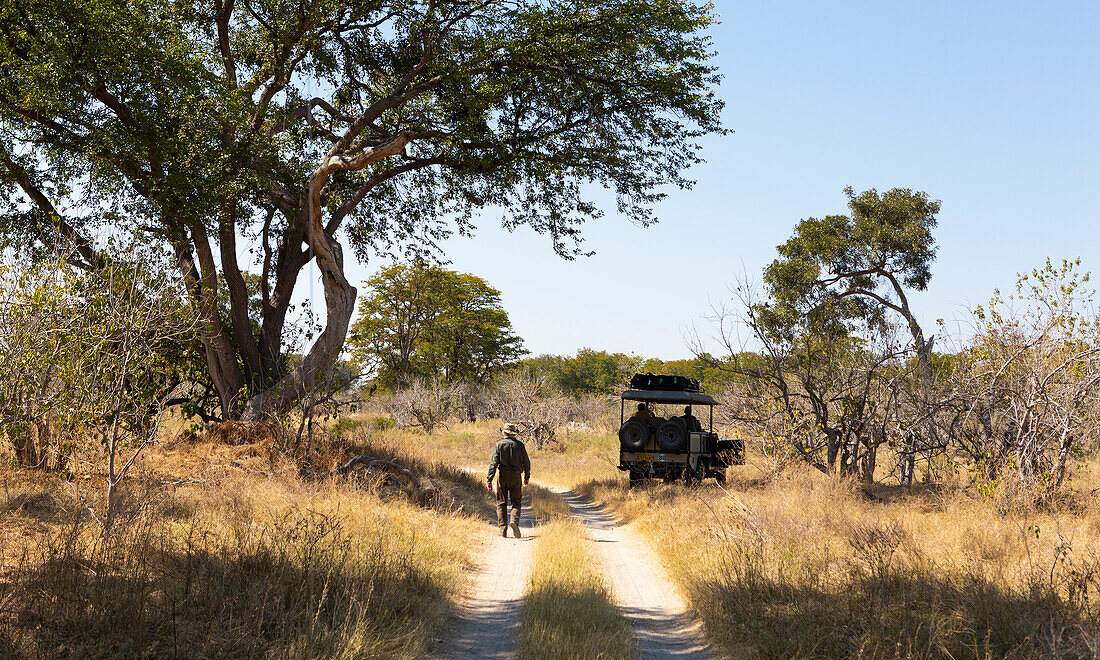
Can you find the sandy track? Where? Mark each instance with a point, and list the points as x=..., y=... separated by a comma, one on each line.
x=663, y=626
x=488, y=619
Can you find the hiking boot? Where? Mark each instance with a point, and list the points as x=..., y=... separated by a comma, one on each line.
x=504, y=532
x=515, y=530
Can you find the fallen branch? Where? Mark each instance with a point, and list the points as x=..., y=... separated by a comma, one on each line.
x=419, y=493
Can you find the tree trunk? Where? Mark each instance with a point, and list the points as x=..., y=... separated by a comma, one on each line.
x=44, y=441
x=832, y=449
x=340, y=305
x=870, y=458
x=289, y=262
x=221, y=359
x=339, y=293
x=27, y=452
x=1064, y=447
x=238, y=305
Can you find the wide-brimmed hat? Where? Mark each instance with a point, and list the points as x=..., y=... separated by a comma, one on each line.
x=509, y=430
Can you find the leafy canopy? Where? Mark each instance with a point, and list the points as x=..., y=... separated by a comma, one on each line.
x=422, y=322
x=840, y=271
x=149, y=113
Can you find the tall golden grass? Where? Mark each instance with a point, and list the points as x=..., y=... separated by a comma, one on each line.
x=807, y=566
x=234, y=560
x=795, y=563
x=226, y=551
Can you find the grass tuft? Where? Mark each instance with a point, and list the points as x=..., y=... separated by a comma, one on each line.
x=568, y=612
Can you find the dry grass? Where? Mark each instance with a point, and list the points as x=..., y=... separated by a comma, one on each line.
x=575, y=456
x=807, y=566
x=233, y=555
x=797, y=564
x=224, y=550
x=568, y=612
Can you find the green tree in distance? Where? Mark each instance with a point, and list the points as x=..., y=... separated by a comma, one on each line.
x=424, y=322
x=705, y=368
x=588, y=372
x=601, y=372
x=293, y=126
x=596, y=372
x=857, y=268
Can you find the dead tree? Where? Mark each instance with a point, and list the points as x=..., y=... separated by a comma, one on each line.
x=531, y=402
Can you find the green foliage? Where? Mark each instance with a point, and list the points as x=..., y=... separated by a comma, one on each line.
x=595, y=372
x=843, y=271
x=712, y=373
x=602, y=372
x=196, y=126
x=422, y=322
x=588, y=372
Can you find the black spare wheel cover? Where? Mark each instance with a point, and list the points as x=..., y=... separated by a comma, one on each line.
x=671, y=436
x=633, y=435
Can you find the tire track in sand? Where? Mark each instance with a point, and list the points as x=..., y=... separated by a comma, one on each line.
x=661, y=622
x=488, y=617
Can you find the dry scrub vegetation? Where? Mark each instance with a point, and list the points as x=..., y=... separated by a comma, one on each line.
x=805, y=565
x=226, y=551
x=796, y=563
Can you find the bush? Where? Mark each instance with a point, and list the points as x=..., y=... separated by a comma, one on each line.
x=90, y=359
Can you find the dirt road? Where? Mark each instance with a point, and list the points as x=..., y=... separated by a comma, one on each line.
x=488, y=625
x=662, y=625
x=488, y=619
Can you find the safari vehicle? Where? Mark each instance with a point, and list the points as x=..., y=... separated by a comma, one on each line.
x=661, y=443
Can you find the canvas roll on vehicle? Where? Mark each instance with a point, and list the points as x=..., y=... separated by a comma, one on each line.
x=658, y=442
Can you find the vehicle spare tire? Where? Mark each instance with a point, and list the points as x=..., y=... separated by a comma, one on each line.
x=671, y=436
x=633, y=435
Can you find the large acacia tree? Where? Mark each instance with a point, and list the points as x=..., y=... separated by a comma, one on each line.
x=288, y=126
x=833, y=367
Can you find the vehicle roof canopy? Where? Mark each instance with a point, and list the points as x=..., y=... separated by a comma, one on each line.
x=665, y=396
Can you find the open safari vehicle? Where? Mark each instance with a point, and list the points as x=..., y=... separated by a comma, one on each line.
x=662, y=439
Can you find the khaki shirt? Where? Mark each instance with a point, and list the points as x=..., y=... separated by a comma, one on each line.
x=510, y=454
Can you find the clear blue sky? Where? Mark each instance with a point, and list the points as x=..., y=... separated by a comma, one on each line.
x=991, y=107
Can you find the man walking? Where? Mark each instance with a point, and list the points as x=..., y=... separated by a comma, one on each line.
x=508, y=462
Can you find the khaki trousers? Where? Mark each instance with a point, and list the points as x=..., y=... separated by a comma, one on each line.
x=509, y=490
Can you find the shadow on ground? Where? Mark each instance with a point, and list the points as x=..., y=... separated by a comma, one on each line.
x=896, y=613
x=300, y=591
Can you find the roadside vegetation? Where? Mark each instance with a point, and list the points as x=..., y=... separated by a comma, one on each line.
x=792, y=562
x=225, y=546
x=568, y=612
x=807, y=565
x=226, y=551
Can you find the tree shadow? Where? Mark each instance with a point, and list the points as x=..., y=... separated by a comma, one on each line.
x=298, y=594
x=893, y=615
x=42, y=505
